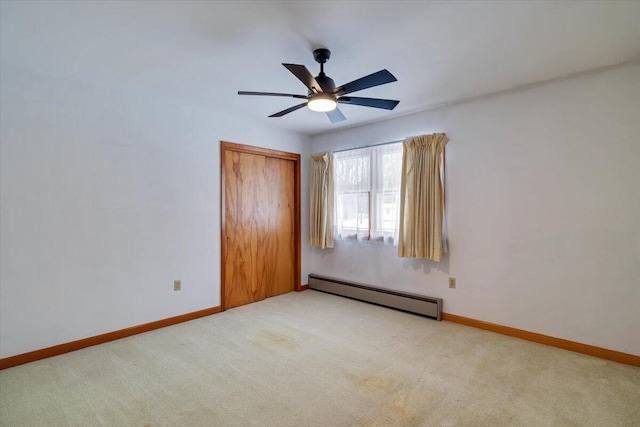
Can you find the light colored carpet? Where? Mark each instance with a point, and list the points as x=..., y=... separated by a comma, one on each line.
x=313, y=359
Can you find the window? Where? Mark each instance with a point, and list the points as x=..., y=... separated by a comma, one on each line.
x=367, y=188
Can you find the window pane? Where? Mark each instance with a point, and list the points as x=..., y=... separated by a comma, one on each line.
x=352, y=173
x=391, y=167
x=353, y=211
x=390, y=210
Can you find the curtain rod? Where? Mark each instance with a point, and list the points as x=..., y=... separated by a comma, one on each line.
x=377, y=145
x=367, y=146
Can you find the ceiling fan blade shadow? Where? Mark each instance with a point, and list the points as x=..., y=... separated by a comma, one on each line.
x=386, y=104
x=301, y=72
x=336, y=116
x=289, y=110
x=372, y=80
x=290, y=95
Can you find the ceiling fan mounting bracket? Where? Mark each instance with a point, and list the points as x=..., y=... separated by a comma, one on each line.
x=321, y=55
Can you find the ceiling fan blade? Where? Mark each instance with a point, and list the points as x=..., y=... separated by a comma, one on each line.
x=386, y=104
x=289, y=110
x=242, y=92
x=301, y=72
x=375, y=79
x=336, y=116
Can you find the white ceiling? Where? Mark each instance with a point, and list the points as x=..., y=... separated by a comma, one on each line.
x=202, y=53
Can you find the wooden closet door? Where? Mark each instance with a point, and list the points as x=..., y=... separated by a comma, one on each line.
x=259, y=241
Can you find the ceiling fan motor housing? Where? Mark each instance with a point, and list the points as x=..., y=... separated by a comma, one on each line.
x=326, y=83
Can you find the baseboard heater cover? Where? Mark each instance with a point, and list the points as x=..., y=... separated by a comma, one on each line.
x=418, y=304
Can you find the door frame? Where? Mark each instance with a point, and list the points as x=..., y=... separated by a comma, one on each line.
x=267, y=152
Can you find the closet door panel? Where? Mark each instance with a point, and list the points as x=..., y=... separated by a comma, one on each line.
x=280, y=233
x=246, y=218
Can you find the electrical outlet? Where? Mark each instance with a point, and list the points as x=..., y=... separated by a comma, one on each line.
x=177, y=285
x=452, y=282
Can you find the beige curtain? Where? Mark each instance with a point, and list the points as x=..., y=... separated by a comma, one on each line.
x=422, y=197
x=321, y=210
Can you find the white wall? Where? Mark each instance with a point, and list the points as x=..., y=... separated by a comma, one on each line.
x=106, y=198
x=543, y=210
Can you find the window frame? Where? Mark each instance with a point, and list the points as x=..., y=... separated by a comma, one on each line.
x=377, y=193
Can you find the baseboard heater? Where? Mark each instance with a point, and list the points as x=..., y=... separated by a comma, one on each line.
x=418, y=304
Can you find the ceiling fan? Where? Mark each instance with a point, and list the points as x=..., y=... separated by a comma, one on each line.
x=324, y=96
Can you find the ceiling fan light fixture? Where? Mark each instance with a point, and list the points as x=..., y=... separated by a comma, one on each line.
x=322, y=103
